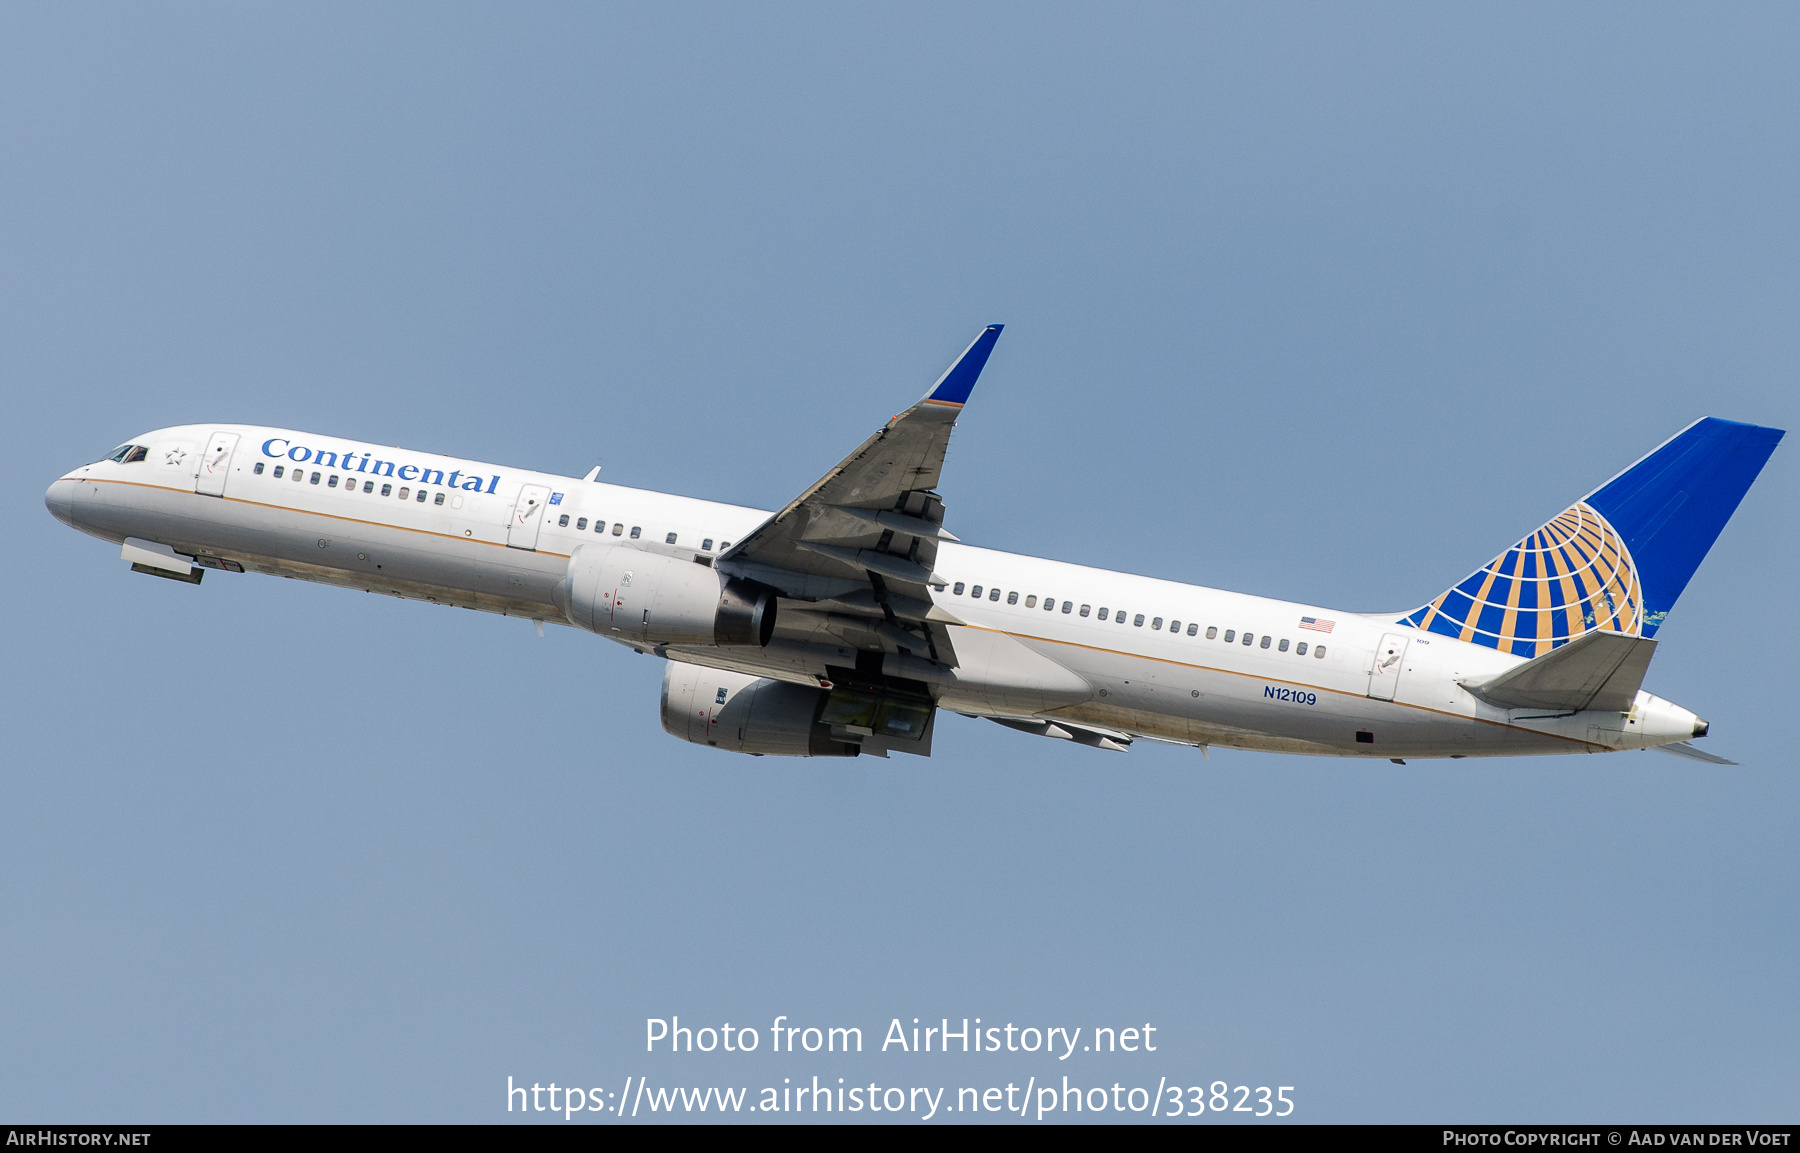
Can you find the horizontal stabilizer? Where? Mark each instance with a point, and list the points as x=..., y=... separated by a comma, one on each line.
x=1683, y=749
x=1597, y=670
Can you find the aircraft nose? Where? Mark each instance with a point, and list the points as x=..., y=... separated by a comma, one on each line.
x=60, y=500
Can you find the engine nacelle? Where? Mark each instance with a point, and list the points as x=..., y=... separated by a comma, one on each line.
x=655, y=599
x=746, y=714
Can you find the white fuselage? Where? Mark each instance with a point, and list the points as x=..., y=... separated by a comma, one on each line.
x=468, y=543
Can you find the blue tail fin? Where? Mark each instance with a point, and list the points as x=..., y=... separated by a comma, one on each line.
x=1616, y=559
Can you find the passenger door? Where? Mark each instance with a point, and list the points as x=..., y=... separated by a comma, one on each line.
x=1384, y=674
x=527, y=517
x=215, y=464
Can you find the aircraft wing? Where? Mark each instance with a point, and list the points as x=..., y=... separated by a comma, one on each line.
x=861, y=542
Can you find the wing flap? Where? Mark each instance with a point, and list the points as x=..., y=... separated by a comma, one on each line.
x=1062, y=730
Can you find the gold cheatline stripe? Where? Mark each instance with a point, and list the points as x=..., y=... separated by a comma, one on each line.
x=326, y=515
x=1002, y=632
x=1281, y=681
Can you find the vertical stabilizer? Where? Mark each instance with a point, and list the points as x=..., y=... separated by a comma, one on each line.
x=1618, y=558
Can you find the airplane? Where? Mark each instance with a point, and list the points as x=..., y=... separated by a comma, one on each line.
x=846, y=622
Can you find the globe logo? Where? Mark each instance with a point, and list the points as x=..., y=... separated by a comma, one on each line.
x=1570, y=577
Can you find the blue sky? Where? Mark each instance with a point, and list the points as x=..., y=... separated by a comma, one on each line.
x=1325, y=303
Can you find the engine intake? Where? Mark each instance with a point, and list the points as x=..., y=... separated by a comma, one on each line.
x=746, y=714
x=653, y=599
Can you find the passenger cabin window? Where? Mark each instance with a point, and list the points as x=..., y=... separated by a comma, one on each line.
x=332, y=483
x=1319, y=652
x=956, y=589
x=315, y=478
x=1012, y=598
x=387, y=489
x=1212, y=632
x=1067, y=605
x=1192, y=629
x=562, y=521
x=1174, y=626
x=1031, y=602
x=581, y=524
x=1139, y=622
x=1050, y=603
x=993, y=594
x=1248, y=637
x=1084, y=610
x=1156, y=624
x=670, y=539
x=1300, y=649
x=279, y=469
x=636, y=531
x=975, y=592
x=706, y=546
x=1102, y=612
x=1119, y=617
x=1230, y=635
x=368, y=486
x=404, y=492
x=723, y=545
x=1282, y=647
x=439, y=499
x=421, y=497
x=258, y=469
x=617, y=528
x=299, y=475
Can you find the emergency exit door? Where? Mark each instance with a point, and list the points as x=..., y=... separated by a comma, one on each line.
x=527, y=517
x=215, y=464
x=1384, y=674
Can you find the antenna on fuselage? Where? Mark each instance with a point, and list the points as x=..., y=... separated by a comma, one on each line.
x=592, y=473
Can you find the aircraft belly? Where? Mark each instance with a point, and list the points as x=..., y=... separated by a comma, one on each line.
x=310, y=546
x=1006, y=675
x=1205, y=706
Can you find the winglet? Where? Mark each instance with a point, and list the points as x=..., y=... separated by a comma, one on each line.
x=958, y=380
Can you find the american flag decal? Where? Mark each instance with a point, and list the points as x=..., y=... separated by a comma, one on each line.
x=1317, y=625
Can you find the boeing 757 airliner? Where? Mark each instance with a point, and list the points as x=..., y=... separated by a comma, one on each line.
x=842, y=623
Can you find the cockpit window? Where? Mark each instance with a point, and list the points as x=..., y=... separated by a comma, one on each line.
x=138, y=452
x=119, y=454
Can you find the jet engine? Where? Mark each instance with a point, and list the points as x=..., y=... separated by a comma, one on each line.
x=640, y=596
x=746, y=714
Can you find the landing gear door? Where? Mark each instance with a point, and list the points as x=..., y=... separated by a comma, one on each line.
x=215, y=464
x=527, y=517
x=1384, y=674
